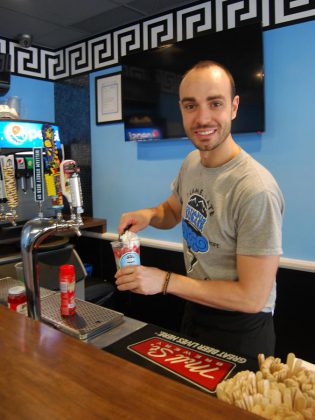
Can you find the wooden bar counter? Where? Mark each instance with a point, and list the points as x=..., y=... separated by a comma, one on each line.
x=46, y=374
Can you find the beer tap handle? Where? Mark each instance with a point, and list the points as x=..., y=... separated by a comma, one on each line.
x=29, y=163
x=71, y=187
x=67, y=168
x=21, y=171
x=9, y=181
x=76, y=195
x=38, y=176
x=52, y=175
x=3, y=197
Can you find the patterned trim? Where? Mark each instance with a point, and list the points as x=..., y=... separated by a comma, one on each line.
x=176, y=25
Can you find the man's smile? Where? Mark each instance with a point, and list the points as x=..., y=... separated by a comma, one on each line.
x=205, y=132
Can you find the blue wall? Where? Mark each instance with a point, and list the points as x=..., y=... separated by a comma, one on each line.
x=37, y=98
x=128, y=176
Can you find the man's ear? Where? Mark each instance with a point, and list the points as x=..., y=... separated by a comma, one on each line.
x=235, y=104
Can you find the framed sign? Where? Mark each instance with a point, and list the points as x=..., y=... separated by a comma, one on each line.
x=108, y=98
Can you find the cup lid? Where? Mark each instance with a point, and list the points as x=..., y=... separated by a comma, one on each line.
x=16, y=290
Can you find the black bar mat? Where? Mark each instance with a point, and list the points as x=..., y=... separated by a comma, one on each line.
x=179, y=357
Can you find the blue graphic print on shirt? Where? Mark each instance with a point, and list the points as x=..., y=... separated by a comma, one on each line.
x=193, y=223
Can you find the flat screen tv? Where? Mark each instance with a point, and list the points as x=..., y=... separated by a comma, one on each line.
x=150, y=81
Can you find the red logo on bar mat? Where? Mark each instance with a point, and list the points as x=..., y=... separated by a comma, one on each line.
x=198, y=368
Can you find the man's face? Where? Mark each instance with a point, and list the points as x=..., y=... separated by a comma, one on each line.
x=207, y=107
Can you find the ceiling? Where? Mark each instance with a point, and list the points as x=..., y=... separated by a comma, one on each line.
x=54, y=24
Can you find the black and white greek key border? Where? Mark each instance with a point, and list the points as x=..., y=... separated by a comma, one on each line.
x=176, y=25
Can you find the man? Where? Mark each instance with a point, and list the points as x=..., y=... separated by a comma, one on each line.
x=231, y=210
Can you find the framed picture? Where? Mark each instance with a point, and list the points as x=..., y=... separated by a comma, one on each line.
x=108, y=98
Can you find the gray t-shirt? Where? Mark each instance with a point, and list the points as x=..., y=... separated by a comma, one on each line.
x=233, y=209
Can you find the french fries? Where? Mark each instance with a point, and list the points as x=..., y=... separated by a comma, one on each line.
x=277, y=391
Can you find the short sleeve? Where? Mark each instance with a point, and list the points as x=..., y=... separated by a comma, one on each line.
x=259, y=225
x=176, y=187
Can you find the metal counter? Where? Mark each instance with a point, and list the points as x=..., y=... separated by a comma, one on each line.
x=92, y=323
x=128, y=326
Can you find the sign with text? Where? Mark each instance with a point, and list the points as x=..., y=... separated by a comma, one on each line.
x=38, y=174
x=180, y=357
x=142, y=134
x=24, y=134
x=199, y=368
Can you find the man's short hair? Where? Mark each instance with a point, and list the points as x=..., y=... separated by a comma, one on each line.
x=210, y=63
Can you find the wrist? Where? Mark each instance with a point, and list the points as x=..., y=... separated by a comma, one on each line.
x=166, y=282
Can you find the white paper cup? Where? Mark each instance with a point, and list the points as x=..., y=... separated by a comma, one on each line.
x=126, y=253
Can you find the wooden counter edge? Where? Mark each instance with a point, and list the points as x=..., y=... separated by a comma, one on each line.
x=95, y=225
x=49, y=373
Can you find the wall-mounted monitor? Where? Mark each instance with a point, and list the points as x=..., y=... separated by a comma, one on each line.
x=151, y=79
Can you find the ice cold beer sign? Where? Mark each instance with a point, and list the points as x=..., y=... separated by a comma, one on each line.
x=203, y=369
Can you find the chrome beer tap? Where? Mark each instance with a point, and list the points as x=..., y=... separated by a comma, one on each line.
x=35, y=231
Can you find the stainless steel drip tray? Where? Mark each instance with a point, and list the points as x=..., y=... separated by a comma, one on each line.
x=89, y=321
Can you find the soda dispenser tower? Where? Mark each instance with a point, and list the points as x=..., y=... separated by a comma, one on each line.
x=31, y=144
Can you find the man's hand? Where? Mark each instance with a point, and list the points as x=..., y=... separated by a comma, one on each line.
x=135, y=221
x=165, y=216
x=140, y=279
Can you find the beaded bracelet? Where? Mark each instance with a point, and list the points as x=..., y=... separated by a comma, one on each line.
x=167, y=280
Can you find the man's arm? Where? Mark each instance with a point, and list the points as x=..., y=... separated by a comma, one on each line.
x=249, y=293
x=165, y=216
x=256, y=275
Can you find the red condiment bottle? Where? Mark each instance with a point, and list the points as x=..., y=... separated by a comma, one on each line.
x=67, y=289
x=17, y=299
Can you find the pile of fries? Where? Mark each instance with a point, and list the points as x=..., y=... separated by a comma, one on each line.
x=277, y=391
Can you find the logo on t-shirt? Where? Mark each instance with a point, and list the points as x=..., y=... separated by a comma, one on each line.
x=196, y=214
x=192, y=224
